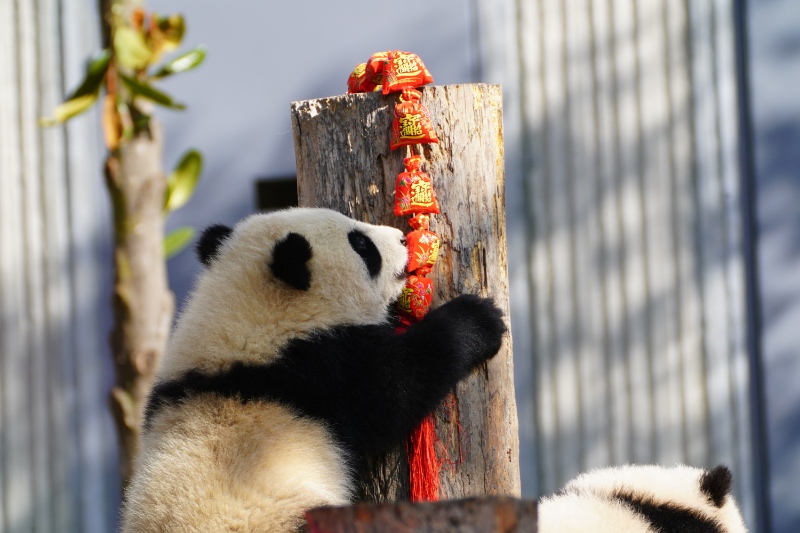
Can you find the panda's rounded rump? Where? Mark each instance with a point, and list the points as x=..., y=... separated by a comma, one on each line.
x=254, y=456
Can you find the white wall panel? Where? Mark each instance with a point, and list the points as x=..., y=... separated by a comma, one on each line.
x=628, y=147
x=56, y=441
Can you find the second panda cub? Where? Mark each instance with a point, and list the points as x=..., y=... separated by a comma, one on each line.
x=644, y=499
x=284, y=372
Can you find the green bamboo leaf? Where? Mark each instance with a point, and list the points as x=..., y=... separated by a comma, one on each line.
x=187, y=61
x=69, y=109
x=183, y=180
x=95, y=73
x=144, y=90
x=176, y=240
x=131, y=48
x=85, y=95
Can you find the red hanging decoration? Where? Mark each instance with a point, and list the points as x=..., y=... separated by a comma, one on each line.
x=373, y=73
x=414, y=190
x=415, y=300
x=389, y=72
x=423, y=246
x=423, y=463
x=356, y=78
x=404, y=70
x=412, y=122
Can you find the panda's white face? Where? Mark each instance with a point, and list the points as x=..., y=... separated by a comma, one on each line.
x=280, y=276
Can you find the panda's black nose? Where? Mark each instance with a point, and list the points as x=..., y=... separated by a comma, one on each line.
x=403, y=241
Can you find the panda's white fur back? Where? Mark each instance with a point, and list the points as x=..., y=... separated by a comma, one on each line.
x=610, y=500
x=233, y=314
x=587, y=512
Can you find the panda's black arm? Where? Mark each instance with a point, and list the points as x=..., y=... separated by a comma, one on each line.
x=370, y=385
x=374, y=386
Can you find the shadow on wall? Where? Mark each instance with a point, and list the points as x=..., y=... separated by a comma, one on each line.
x=59, y=457
x=778, y=164
x=634, y=259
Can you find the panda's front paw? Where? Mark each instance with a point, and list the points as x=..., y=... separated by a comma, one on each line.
x=476, y=323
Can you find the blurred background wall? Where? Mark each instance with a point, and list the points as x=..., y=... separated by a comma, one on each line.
x=57, y=442
x=774, y=74
x=652, y=187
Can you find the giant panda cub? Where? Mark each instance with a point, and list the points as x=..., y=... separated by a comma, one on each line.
x=644, y=499
x=284, y=371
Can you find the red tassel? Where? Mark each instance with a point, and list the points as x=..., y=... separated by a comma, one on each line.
x=423, y=464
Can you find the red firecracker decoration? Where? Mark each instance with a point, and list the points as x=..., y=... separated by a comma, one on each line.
x=412, y=122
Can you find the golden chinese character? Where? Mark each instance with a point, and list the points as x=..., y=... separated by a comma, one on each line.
x=434, y=252
x=421, y=193
x=410, y=126
x=405, y=65
x=404, y=302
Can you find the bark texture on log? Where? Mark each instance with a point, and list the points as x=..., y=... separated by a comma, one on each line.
x=484, y=515
x=344, y=163
x=142, y=302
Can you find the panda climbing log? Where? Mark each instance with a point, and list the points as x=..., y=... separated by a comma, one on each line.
x=284, y=371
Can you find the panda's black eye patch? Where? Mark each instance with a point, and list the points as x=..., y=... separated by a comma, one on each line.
x=364, y=247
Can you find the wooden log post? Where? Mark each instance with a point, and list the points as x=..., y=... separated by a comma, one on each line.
x=344, y=163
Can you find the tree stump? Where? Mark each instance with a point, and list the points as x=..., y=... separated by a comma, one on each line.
x=344, y=163
x=474, y=515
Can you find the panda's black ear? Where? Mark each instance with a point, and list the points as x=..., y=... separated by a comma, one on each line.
x=209, y=242
x=290, y=261
x=716, y=484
